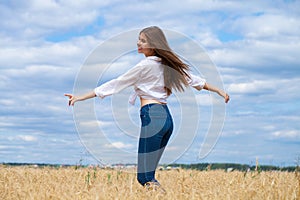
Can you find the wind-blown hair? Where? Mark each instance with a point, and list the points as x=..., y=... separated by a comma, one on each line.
x=175, y=71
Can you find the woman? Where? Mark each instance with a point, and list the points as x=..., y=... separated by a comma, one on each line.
x=154, y=79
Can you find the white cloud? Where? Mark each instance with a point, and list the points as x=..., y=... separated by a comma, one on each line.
x=71, y=53
x=95, y=124
x=256, y=86
x=36, y=18
x=119, y=145
x=289, y=134
x=256, y=55
x=27, y=138
x=274, y=87
x=267, y=26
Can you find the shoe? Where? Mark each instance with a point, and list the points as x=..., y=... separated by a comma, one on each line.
x=154, y=186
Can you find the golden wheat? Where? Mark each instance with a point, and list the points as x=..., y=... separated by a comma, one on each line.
x=95, y=183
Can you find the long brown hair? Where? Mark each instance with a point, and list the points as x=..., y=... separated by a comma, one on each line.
x=175, y=71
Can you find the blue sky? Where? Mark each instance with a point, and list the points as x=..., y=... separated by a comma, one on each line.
x=254, y=44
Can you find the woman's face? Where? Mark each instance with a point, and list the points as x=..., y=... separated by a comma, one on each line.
x=143, y=46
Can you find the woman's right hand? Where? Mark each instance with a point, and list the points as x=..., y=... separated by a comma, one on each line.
x=217, y=90
x=227, y=98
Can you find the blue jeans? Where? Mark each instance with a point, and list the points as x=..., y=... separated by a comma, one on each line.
x=156, y=130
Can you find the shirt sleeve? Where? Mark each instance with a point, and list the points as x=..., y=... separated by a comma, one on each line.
x=195, y=81
x=116, y=85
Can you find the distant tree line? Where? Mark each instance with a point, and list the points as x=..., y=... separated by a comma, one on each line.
x=34, y=164
x=197, y=166
x=233, y=166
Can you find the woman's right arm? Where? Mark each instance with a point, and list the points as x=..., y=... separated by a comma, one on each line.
x=217, y=90
x=199, y=83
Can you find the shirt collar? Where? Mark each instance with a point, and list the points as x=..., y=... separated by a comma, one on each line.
x=154, y=58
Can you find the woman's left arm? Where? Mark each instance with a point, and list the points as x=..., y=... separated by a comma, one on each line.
x=73, y=98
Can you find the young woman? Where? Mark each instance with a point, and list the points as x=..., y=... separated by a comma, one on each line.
x=153, y=79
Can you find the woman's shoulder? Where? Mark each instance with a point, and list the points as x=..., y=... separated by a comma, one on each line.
x=150, y=60
x=148, y=65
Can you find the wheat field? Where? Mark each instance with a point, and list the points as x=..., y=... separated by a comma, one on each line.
x=95, y=183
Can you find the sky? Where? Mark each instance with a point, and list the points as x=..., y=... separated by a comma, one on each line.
x=45, y=45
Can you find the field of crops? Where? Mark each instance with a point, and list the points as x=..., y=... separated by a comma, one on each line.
x=95, y=183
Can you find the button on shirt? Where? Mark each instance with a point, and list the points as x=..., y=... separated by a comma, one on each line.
x=147, y=79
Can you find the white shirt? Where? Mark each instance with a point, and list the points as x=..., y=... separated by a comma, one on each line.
x=147, y=79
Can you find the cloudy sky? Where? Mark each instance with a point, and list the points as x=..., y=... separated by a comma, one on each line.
x=44, y=45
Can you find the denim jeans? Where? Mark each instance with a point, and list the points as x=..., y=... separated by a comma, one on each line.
x=156, y=130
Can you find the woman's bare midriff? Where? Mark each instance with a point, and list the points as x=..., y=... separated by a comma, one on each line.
x=149, y=101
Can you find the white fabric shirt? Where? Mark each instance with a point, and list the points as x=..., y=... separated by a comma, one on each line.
x=146, y=78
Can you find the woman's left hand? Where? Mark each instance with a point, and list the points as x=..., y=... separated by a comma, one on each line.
x=72, y=99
